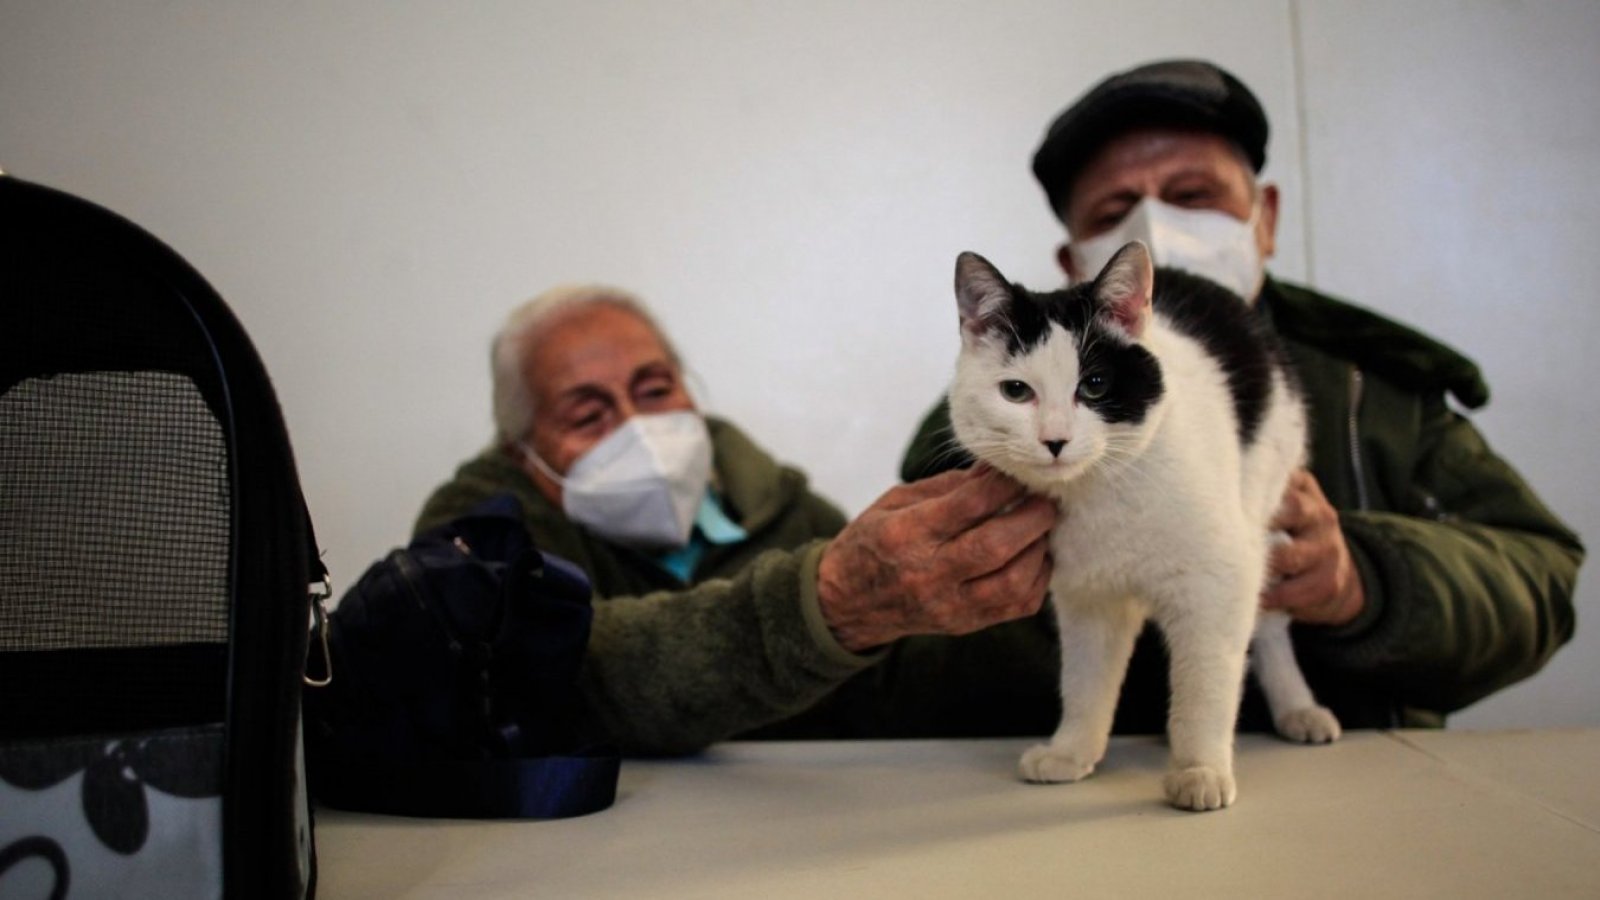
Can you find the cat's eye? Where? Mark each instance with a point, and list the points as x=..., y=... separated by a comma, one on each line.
x=1093, y=387
x=1016, y=391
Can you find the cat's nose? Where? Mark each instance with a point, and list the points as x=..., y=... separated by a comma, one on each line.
x=1054, y=447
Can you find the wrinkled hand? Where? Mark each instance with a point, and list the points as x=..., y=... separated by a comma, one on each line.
x=1318, y=582
x=947, y=555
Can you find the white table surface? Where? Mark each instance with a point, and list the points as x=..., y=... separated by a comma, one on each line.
x=1378, y=814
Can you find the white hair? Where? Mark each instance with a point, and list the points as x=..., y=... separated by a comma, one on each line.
x=513, y=399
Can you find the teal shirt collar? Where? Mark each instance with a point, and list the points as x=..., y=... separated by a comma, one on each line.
x=712, y=526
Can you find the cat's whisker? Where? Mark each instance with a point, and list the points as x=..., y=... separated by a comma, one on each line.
x=1123, y=472
x=1119, y=459
x=952, y=450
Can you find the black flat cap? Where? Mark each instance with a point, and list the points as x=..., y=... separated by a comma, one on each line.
x=1188, y=93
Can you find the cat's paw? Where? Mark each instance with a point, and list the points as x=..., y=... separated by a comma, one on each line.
x=1053, y=763
x=1309, y=725
x=1200, y=788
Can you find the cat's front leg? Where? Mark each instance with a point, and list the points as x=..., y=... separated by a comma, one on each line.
x=1207, y=639
x=1096, y=642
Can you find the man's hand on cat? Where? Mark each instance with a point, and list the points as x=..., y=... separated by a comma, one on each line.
x=947, y=555
x=1318, y=582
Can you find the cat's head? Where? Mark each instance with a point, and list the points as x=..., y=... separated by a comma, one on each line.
x=1049, y=385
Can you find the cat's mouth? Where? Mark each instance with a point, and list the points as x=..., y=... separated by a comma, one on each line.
x=1059, y=468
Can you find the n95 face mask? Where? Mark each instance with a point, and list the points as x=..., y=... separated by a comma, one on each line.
x=642, y=484
x=1203, y=242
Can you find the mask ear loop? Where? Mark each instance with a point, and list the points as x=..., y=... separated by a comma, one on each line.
x=1256, y=203
x=699, y=391
x=540, y=464
x=550, y=473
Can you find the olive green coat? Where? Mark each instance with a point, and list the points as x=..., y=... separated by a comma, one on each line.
x=1469, y=578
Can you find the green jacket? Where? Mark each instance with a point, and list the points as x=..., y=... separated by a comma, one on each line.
x=673, y=667
x=1469, y=578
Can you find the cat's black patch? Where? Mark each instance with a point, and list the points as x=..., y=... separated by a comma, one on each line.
x=1235, y=335
x=1132, y=372
x=1028, y=317
x=1135, y=378
x=1231, y=331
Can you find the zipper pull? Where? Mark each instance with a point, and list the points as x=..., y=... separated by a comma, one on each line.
x=1357, y=470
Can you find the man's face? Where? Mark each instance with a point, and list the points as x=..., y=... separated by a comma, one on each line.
x=589, y=370
x=1187, y=169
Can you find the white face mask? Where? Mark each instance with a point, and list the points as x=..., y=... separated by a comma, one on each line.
x=642, y=484
x=1205, y=242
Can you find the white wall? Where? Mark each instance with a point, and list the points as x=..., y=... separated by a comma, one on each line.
x=1454, y=181
x=372, y=185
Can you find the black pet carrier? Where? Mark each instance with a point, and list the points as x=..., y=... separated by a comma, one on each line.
x=155, y=557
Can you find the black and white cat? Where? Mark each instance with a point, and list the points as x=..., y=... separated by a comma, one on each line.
x=1158, y=411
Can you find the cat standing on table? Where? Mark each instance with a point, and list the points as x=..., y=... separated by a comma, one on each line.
x=1160, y=414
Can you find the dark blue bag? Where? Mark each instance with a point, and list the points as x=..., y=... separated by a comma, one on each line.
x=451, y=671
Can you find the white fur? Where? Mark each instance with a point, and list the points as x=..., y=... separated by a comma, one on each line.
x=1164, y=520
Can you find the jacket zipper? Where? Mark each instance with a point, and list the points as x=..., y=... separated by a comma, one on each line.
x=1357, y=389
x=1354, y=433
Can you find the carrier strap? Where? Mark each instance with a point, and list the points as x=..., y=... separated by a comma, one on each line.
x=546, y=787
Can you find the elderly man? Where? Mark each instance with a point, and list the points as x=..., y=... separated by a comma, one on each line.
x=728, y=595
x=1423, y=572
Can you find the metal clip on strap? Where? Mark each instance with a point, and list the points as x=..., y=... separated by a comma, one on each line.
x=320, y=592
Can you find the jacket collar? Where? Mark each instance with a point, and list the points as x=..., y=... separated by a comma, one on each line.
x=1372, y=342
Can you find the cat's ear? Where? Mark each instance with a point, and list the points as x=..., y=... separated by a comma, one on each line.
x=1123, y=288
x=982, y=295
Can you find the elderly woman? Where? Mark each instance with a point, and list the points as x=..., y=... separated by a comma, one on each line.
x=728, y=595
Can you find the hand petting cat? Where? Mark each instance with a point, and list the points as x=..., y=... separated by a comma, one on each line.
x=947, y=555
x=1318, y=582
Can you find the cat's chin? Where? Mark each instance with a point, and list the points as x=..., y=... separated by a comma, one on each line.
x=1043, y=476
